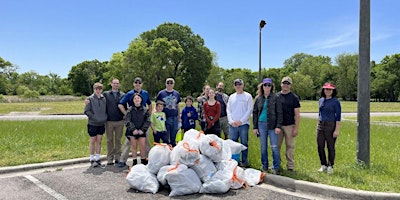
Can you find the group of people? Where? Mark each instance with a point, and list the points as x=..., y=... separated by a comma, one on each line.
x=275, y=116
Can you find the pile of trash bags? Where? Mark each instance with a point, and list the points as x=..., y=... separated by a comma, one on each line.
x=198, y=164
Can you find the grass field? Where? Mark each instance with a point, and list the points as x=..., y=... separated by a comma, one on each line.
x=24, y=142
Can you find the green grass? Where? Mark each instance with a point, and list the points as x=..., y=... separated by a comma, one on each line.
x=351, y=106
x=25, y=142
x=379, y=118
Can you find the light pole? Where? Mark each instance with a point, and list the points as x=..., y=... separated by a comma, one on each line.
x=262, y=24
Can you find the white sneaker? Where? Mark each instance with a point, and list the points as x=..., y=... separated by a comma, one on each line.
x=322, y=169
x=330, y=170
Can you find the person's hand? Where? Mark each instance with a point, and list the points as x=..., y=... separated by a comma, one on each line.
x=188, y=114
x=140, y=132
x=135, y=132
x=87, y=101
x=255, y=132
x=277, y=131
x=335, y=134
x=155, y=132
x=295, y=132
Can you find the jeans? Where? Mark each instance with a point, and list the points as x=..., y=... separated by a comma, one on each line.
x=273, y=137
x=241, y=132
x=171, y=124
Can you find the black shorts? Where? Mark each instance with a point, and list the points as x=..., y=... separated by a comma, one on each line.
x=130, y=134
x=95, y=130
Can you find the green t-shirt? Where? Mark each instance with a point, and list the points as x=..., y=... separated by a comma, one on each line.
x=158, y=121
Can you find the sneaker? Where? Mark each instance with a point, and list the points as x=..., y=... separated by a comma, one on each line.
x=93, y=163
x=98, y=163
x=243, y=165
x=290, y=171
x=329, y=170
x=274, y=171
x=110, y=163
x=143, y=161
x=121, y=164
x=322, y=169
x=134, y=162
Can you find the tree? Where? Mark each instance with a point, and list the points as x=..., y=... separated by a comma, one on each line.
x=293, y=64
x=84, y=75
x=7, y=71
x=347, y=76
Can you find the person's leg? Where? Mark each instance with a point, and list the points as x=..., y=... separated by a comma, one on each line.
x=273, y=137
x=289, y=147
x=148, y=145
x=263, y=136
x=321, y=144
x=330, y=141
x=244, y=139
x=119, y=128
x=174, y=130
x=168, y=127
x=125, y=150
x=92, y=142
x=142, y=144
x=224, y=126
x=280, y=140
x=134, y=150
x=163, y=135
x=110, y=141
x=234, y=133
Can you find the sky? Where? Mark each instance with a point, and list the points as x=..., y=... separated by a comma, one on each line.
x=48, y=36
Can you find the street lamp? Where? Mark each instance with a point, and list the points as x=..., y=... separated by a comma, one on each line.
x=262, y=24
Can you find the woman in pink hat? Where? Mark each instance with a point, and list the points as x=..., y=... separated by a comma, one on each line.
x=328, y=126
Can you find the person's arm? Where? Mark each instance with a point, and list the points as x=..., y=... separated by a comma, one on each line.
x=296, y=122
x=338, y=113
x=88, y=110
x=146, y=123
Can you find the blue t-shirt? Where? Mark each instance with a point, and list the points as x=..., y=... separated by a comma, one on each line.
x=128, y=98
x=329, y=109
x=263, y=115
x=171, y=102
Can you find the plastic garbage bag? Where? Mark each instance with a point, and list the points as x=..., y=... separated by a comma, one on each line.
x=141, y=179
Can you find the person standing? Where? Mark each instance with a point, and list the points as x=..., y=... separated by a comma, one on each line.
x=171, y=99
x=291, y=120
x=222, y=98
x=115, y=122
x=201, y=99
x=329, y=117
x=137, y=122
x=96, y=112
x=212, y=110
x=239, y=109
x=189, y=115
x=127, y=99
x=157, y=124
x=267, y=120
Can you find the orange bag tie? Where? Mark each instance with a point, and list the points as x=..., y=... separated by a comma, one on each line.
x=235, y=178
x=163, y=145
x=187, y=147
x=262, y=177
x=199, y=134
x=173, y=168
x=214, y=144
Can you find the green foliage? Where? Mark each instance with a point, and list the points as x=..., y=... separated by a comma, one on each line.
x=85, y=74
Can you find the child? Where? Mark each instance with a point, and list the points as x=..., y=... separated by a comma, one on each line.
x=189, y=115
x=97, y=117
x=137, y=121
x=157, y=120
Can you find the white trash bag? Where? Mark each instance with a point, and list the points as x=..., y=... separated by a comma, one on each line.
x=204, y=168
x=253, y=176
x=183, y=181
x=159, y=156
x=212, y=147
x=218, y=184
x=141, y=179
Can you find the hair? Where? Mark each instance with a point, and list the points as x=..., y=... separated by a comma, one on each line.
x=260, y=90
x=137, y=94
x=97, y=85
x=189, y=98
x=204, y=87
x=322, y=93
x=215, y=98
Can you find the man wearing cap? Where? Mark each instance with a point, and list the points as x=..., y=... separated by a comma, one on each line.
x=171, y=99
x=291, y=119
x=239, y=109
x=127, y=99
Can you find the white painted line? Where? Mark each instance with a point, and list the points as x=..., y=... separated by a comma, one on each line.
x=46, y=188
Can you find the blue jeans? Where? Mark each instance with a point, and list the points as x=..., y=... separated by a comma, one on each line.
x=273, y=138
x=241, y=132
x=171, y=124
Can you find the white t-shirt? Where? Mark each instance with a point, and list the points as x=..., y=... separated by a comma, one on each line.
x=239, y=107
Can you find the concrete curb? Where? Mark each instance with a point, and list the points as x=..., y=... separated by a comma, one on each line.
x=325, y=190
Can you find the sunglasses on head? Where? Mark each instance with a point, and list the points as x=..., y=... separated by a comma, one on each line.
x=267, y=85
x=170, y=83
x=286, y=82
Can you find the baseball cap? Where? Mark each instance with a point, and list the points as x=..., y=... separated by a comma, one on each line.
x=287, y=78
x=328, y=86
x=137, y=79
x=267, y=80
x=159, y=102
x=240, y=81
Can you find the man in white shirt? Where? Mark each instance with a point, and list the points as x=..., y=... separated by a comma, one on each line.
x=239, y=109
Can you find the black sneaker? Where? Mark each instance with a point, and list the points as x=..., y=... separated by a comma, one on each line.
x=93, y=163
x=110, y=163
x=121, y=164
x=99, y=163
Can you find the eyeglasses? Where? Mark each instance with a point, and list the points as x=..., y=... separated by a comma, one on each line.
x=286, y=83
x=238, y=84
x=170, y=82
x=137, y=82
x=115, y=83
x=267, y=85
x=328, y=89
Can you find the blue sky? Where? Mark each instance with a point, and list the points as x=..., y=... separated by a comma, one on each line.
x=49, y=36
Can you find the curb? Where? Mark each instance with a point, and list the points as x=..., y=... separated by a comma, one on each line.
x=325, y=190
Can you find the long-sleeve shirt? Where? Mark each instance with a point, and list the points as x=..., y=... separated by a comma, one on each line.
x=239, y=108
x=212, y=112
x=329, y=109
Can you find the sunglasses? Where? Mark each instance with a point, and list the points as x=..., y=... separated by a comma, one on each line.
x=137, y=82
x=170, y=83
x=267, y=85
x=238, y=84
x=286, y=82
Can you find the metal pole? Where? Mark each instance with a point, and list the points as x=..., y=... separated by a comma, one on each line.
x=363, y=88
x=262, y=24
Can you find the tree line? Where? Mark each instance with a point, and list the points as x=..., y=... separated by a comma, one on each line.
x=173, y=50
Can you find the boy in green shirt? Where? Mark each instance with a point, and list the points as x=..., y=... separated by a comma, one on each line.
x=157, y=120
